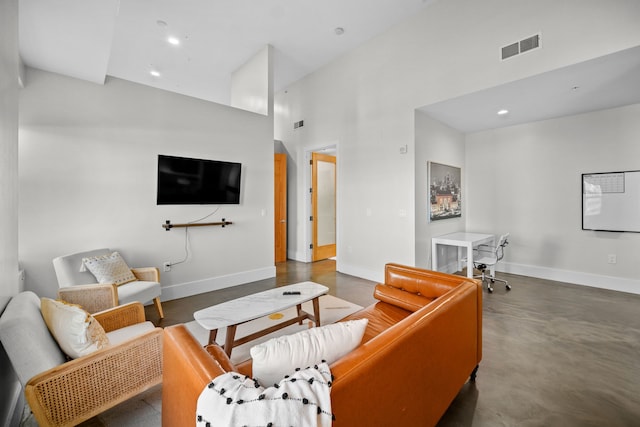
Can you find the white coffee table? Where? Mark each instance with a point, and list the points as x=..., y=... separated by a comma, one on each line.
x=232, y=313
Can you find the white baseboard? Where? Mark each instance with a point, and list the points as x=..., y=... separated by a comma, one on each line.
x=181, y=290
x=620, y=284
x=374, y=276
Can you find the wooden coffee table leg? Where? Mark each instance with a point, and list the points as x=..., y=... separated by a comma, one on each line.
x=299, y=308
x=316, y=310
x=212, y=336
x=229, y=339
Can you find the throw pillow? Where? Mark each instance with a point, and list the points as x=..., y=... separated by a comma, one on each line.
x=109, y=269
x=279, y=356
x=77, y=332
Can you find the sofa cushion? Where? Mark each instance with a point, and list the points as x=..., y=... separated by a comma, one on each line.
x=279, y=356
x=75, y=330
x=110, y=268
x=381, y=316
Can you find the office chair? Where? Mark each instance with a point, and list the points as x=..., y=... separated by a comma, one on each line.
x=488, y=256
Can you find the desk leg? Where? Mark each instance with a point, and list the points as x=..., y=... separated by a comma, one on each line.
x=229, y=339
x=470, y=261
x=434, y=256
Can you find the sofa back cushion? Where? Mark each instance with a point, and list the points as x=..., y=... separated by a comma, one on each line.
x=26, y=339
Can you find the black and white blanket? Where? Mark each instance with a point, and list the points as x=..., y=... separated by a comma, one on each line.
x=301, y=399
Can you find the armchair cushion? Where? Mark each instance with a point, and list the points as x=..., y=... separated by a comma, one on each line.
x=138, y=291
x=110, y=268
x=75, y=330
x=124, y=334
x=280, y=356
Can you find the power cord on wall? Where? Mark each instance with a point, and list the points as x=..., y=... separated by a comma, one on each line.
x=186, y=239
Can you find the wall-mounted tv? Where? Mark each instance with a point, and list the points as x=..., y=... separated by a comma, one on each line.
x=186, y=181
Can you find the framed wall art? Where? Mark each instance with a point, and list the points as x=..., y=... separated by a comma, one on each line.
x=445, y=190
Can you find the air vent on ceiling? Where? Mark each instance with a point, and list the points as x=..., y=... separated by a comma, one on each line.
x=522, y=46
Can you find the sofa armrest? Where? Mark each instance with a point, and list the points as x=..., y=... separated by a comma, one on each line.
x=121, y=316
x=188, y=368
x=110, y=376
x=427, y=283
x=399, y=297
x=147, y=274
x=92, y=297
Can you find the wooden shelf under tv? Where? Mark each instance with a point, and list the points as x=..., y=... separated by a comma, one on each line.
x=168, y=226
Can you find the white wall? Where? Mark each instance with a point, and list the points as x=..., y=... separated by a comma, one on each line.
x=8, y=148
x=436, y=142
x=11, y=396
x=526, y=180
x=366, y=100
x=88, y=168
x=251, y=87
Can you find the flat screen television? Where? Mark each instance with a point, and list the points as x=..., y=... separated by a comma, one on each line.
x=186, y=181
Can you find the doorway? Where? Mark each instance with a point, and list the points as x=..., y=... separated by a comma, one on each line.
x=280, y=207
x=323, y=205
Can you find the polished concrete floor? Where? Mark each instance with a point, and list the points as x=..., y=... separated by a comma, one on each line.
x=555, y=354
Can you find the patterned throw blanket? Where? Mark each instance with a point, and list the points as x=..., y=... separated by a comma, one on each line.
x=302, y=399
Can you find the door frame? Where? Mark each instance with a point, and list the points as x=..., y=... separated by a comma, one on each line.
x=331, y=149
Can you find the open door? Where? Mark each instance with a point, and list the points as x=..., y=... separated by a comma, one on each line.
x=323, y=204
x=280, y=206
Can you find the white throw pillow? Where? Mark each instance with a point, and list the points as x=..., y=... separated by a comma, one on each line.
x=109, y=269
x=280, y=356
x=77, y=332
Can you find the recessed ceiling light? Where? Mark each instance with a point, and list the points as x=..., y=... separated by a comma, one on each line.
x=339, y=31
x=155, y=73
x=173, y=40
x=161, y=23
x=503, y=112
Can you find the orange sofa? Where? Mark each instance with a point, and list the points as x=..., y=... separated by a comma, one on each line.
x=423, y=341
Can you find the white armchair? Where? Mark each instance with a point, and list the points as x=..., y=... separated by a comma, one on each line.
x=78, y=285
x=63, y=392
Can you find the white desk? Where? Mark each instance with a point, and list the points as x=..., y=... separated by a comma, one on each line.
x=461, y=240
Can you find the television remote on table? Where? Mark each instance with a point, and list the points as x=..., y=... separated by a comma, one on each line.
x=291, y=293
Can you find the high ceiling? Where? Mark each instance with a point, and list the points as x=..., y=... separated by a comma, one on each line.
x=93, y=39
x=606, y=82
x=90, y=39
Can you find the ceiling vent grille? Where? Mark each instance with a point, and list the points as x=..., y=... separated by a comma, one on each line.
x=522, y=46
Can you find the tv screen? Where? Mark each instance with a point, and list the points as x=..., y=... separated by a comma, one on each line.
x=185, y=181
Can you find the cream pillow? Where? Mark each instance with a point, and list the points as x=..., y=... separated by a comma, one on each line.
x=77, y=332
x=109, y=269
x=280, y=356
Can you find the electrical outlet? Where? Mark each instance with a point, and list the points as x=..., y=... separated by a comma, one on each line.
x=612, y=259
x=167, y=266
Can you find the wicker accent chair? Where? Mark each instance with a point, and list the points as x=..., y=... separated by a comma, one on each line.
x=79, y=287
x=66, y=393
